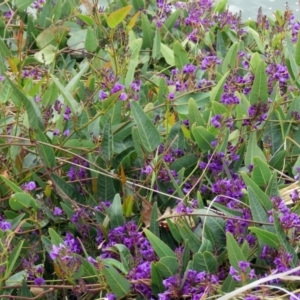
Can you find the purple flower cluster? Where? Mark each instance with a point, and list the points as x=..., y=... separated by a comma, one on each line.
x=65, y=259
x=244, y=273
x=129, y=236
x=257, y=114
x=277, y=73
x=289, y=220
x=38, y=4
x=140, y=248
x=193, y=286
x=210, y=62
x=117, y=87
x=29, y=186
x=76, y=172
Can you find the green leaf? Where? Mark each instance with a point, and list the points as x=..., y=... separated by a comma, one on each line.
x=46, y=55
x=170, y=22
x=217, y=90
x=22, y=4
x=11, y=185
x=86, y=19
x=22, y=200
x=272, y=188
x=261, y=196
x=256, y=38
x=51, y=35
x=259, y=91
x=266, y=237
x=117, y=283
x=180, y=56
x=230, y=58
x=138, y=4
x=261, y=173
x=34, y=115
x=195, y=117
x=214, y=229
x=55, y=237
x=118, y=16
x=16, y=279
x=46, y=152
x=174, y=231
x=186, y=233
x=89, y=270
x=160, y=248
x=228, y=285
x=235, y=253
x=205, y=262
x=4, y=51
x=168, y=54
x=291, y=63
x=277, y=160
x=125, y=255
x=284, y=241
x=156, y=280
x=259, y=214
x=66, y=190
x=134, y=50
x=181, y=103
x=12, y=258
x=203, y=137
x=273, y=133
x=91, y=43
x=148, y=32
x=156, y=45
x=167, y=266
x=107, y=147
x=297, y=50
x=24, y=290
x=75, y=107
x=253, y=150
x=148, y=133
x=115, y=212
x=105, y=187
x=154, y=225
x=220, y=6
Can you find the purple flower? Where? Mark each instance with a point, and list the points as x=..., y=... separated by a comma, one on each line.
x=294, y=195
x=117, y=87
x=67, y=113
x=171, y=96
x=216, y=120
x=111, y=296
x=243, y=265
x=57, y=211
x=37, y=98
x=103, y=95
x=147, y=169
x=123, y=96
x=183, y=209
x=4, y=225
x=209, y=61
x=29, y=186
x=56, y=250
x=56, y=132
x=136, y=85
x=39, y=281
x=66, y=132
x=188, y=69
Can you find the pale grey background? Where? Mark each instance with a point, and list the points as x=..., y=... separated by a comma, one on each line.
x=249, y=7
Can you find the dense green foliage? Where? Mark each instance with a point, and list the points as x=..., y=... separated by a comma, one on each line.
x=149, y=150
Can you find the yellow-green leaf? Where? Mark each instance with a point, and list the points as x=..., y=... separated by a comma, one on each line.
x=118, y=16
